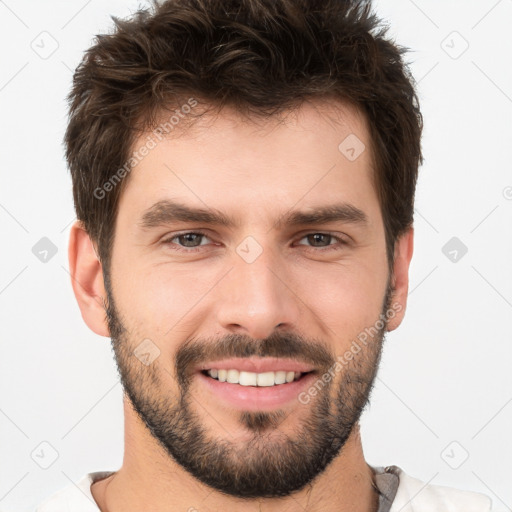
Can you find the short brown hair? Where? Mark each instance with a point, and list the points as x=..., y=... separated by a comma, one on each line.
x=261, y=57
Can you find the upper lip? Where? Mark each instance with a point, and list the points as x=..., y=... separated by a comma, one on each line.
x=261, y=365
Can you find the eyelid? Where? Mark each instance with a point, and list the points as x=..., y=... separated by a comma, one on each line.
x=341, y=239
x=167, y=238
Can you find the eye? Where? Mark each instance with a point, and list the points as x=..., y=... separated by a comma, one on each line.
x=323, y=238
x=189, y=240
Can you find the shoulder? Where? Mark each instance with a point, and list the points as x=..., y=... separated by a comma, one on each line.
x=76, y=497
x=413, y=495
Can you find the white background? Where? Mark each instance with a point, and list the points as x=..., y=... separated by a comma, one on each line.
x=444, y=391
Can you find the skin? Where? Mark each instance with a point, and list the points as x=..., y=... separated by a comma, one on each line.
x=172, y=297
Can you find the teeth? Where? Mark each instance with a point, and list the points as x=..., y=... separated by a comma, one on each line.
x=248, y=379
x=233, y=376
x=280, y=377
x=265, y=379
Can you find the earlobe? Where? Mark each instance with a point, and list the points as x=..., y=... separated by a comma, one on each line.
x=404, y=247
x=87, y=279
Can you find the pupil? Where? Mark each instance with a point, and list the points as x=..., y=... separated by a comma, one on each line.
x=187, y=239
x=318, y=236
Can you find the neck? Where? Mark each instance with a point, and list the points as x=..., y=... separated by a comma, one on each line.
x=149, y=475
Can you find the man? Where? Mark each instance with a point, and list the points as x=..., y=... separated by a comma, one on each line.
x=244, y=176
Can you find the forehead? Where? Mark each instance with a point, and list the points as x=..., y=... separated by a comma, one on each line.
x=317, y=154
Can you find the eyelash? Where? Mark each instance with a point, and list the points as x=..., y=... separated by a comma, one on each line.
x=328, y=248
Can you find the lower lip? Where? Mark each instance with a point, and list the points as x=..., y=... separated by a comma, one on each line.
x=255, y=398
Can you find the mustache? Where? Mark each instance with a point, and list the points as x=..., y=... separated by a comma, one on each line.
x=286, y=345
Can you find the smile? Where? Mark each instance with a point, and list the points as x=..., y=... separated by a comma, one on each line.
x=244, y=378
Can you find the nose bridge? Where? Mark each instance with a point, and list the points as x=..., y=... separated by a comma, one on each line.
x=255, y=297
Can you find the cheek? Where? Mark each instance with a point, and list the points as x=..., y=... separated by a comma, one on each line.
x=158, y=298
x=347, y=299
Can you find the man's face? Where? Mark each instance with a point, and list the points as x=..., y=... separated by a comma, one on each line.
x=261, y=290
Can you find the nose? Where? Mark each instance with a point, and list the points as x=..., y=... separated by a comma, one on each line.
x=256, y=298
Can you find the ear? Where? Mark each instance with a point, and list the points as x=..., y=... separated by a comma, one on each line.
x=403, y=253
x=87, y=280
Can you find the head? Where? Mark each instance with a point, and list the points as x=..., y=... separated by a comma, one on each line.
x=244, y=176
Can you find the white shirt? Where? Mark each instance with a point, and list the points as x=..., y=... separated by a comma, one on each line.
x=408, y=494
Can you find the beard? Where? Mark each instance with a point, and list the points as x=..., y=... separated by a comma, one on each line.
x=269, y=463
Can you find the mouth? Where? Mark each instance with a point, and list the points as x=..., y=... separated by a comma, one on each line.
x=262, y=379
x=256, y=384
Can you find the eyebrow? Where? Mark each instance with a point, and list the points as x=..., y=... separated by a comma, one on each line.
x=167, y=212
